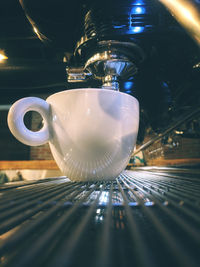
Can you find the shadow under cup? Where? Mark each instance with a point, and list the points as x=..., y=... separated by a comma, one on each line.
x=91, y=132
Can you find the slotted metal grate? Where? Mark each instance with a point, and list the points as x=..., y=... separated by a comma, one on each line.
x=143, y=218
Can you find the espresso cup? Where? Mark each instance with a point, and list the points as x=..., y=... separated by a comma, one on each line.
x=91, y=132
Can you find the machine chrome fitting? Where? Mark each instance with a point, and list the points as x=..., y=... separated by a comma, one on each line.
x=114, y=62
x=110, y=68
x=75, y=75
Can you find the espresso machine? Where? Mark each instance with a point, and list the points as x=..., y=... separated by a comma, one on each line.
x=129, y=46
x=148, y=216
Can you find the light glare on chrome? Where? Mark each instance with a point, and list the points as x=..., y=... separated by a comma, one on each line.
x=187, y=15
x=3, y=57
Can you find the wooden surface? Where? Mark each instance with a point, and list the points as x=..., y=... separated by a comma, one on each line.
x=28, y=164
x=173, y=162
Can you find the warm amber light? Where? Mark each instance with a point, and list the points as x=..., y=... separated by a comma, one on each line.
x=2, y=57
x=35, y=30
x=187, y=15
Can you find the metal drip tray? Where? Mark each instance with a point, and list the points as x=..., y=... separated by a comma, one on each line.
x=143, y=218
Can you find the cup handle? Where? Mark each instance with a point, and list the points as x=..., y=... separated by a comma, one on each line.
x=16, y=121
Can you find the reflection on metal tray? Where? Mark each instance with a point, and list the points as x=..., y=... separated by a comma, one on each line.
x=143, y=218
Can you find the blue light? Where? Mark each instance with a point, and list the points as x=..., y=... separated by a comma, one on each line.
x=138, y=10
x=128, y=85
x=119, y=27
x=149, y=203
x=139, y=2
x=137, y=29
x=165, y=85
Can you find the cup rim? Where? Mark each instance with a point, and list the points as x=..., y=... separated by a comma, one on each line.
x=90, y=89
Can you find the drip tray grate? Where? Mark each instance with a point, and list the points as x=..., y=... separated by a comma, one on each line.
x=143, y=218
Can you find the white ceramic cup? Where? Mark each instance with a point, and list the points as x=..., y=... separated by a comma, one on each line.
x=91, y=132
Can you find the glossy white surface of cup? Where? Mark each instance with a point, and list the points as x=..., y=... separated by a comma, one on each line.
x=91, y=132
